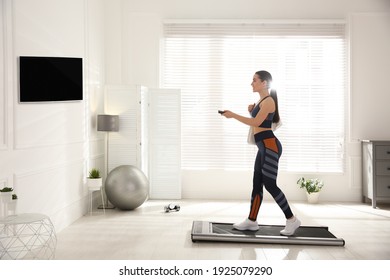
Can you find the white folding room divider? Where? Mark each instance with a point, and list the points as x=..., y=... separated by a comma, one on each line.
x=125, y=146
x=149, y=135
x=165, y=143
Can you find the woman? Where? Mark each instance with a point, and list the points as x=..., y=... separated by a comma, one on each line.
x=269, y=151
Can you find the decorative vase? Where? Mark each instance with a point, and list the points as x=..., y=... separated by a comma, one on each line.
x=5, y=200
x=94, y=183
x=5, y=197
x=12, y=207
x=312, y=198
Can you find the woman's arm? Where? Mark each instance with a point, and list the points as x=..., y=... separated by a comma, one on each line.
x=267, y=106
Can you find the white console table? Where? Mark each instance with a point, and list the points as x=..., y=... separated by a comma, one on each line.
x=27, y=236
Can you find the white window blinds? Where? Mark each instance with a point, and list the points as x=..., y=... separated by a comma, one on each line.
x=213, y=65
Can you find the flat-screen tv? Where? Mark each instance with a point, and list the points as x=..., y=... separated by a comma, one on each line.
x=45, y=79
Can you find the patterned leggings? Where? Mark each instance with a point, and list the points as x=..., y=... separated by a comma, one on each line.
x=266, y=170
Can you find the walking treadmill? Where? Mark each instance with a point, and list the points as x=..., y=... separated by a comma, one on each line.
x=267, y=234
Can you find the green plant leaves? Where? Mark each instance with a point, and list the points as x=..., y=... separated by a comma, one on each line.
x=310, y=185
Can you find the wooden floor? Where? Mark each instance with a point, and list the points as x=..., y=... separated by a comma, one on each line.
x=148, y=233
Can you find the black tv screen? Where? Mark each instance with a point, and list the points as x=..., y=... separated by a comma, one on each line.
x=50, y=79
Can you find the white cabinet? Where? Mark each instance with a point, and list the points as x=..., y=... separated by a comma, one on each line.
x=149, y=135
x=376, y=170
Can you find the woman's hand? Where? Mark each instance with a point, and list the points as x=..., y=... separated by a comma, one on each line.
x=228, y=114
x=251, y=106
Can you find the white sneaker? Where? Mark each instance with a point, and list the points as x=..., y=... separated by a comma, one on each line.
x=291, y=226
x=247, y=225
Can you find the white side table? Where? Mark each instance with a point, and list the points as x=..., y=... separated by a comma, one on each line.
x=93, y=189
x=27, y=236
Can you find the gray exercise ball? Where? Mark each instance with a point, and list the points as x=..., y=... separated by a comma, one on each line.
x=127, y=187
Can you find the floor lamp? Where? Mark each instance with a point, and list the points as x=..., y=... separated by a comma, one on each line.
x=107, y=123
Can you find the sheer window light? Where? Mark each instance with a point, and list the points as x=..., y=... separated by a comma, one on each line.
x=213, y=65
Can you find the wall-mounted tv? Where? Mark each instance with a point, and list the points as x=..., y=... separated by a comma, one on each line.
x=45, y=79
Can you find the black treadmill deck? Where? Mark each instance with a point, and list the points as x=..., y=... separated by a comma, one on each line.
x=308, y=235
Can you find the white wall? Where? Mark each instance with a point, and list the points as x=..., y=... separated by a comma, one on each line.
x=370, y=69
x=140, y=25
x=47, y=148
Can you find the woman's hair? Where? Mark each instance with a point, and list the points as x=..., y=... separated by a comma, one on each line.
x=266, y=76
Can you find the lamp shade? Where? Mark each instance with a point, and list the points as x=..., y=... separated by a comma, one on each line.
x=108, y=123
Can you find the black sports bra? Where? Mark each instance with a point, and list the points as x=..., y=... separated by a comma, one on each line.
x=267, y=123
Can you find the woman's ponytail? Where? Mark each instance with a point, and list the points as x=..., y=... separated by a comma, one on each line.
x=274, y=96
x=266, y=76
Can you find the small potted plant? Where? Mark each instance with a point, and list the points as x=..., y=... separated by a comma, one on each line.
x=94, y=180
x=6, y=194
x=312, y=188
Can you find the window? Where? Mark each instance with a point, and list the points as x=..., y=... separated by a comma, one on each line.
x=213, y=65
